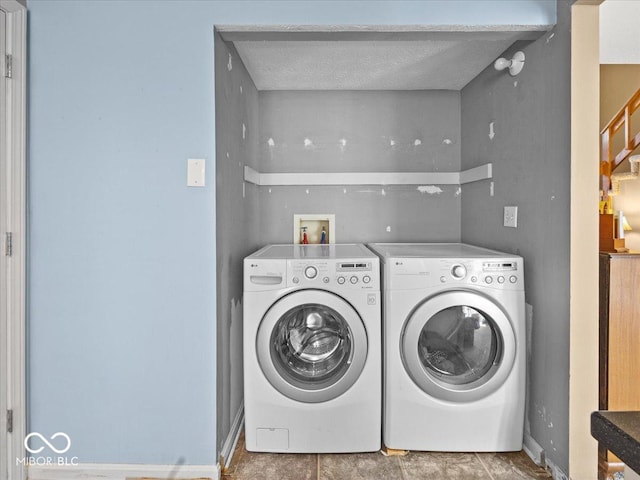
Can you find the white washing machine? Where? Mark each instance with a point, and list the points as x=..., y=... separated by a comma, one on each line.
x=312, y=349
x=454, y=348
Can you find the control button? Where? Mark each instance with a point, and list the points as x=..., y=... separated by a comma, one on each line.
x=325, y=279
x=311, y=272
x=513, y=279
x=341, y=280
x=296, y=280
x=354, y=279
x=488, y=279
x=366, y=279
x=443, y=279
x=500, y=279
x=458, y=271
x=474, y=279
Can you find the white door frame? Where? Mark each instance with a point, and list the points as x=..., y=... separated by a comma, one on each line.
x=13, y=252
x=585, y=164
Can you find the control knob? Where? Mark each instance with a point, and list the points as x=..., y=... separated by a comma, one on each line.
x=311, y=272
x=458, y=272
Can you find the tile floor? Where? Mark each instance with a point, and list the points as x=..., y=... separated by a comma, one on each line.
x=375, y=466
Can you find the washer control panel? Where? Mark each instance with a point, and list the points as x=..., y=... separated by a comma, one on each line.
x=362, y=274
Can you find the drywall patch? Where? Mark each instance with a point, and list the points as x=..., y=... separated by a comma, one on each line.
x=515, y=83
x=392, y=143
x=230, y=63
x=492, y=132
x=388, y=228
x=458, y=191
x=244, y=131
x=271, y=142
x=383, y=193
x=417, y=142
x=550, y=37
x=491, y=189
x=308, y=143
x=430, y=189
x=343, y=144
x=447, y=141
x=240, y=89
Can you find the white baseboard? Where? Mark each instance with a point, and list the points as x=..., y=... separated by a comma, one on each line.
x=556, y=472
x=536, y=453
x=533, y=450
x=232, y=439
x=91, y=471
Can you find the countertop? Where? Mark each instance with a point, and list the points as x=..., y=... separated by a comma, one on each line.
x=619, y=432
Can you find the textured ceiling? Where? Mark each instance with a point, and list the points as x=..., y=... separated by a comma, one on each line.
x=441, y=60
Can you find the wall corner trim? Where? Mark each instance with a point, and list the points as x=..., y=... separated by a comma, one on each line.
x=475, y=174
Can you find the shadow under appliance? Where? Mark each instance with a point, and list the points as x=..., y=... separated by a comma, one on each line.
x=454, y=348
x=312, y=349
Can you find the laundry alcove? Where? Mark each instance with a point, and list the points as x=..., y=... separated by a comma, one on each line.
x=360, y=122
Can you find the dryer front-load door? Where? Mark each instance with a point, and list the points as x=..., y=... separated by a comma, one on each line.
x=458, y=346
x=312, y=345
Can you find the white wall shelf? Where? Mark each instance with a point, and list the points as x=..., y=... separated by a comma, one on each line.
x=481, y=172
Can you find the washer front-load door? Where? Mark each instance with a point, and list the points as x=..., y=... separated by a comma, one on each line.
x=458, y=346
x=312, y=345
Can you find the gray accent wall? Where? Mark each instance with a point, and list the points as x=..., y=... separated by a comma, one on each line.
x=530, y=152
x=237, y=222
x=363, y=131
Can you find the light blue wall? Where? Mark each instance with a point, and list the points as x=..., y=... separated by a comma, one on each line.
x=122, y=277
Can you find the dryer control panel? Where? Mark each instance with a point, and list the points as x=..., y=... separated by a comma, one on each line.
x=412, y=273
x=361, y=274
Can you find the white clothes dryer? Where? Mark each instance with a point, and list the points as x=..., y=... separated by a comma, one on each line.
x=454, y=348
x=312, y=349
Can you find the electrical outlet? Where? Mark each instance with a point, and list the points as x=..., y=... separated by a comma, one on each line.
x=511, y=217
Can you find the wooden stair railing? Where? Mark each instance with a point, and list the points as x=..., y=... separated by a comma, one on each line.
x=609, y=160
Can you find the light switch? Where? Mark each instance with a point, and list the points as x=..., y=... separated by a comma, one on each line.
x=195, y=172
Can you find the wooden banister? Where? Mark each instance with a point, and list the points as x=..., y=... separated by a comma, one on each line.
x=610, y=160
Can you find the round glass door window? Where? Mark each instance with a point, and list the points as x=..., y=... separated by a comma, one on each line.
x=459, y=345
x=311, y=346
